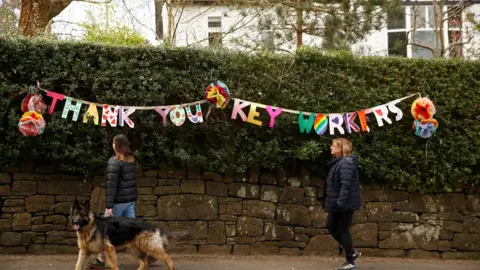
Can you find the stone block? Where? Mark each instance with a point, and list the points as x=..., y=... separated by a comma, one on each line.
x=216, y=233
x=309, y=231
x=63, y=208
x=461, y=255
x=270, y=193
x=187, y=207
x=453, y=226
x=241, y=250
x=403, y=206
x=317, y=182
x=405, y=217
x=147, y=199
x=418, y=204
x=293, y=215
x=52, y=249
x=360, y=216
x=193, y=186
x=40, y=203
x=375, y=252
x=268, y=179
x=244, y=240
x=230, y=230
x=169, y=182
x=452, y=202
x=229, y=175
x=65, y=188
x=13, y=209
x=276, y=232
x=14, y=202
x=311, y=201
x=259, y=209
x=216, y=177
x=321, y=245
x=144, y=190
x=234, y=209
x=444, y=245
x=379, y=212
x=365, y=235
x=400, y=241
x=184, y=249
x=451, y=216
x=197, y=230
x=292, y=195
x=217, y=189
x=147, y=182
x=24, y=188
x=33, y=238
x=422, y=254
x=21, y=222
x=5, y=190
x=13, y=250
x=27, y=177
x=375, y=195
x=55, y=219
x=167, y=190
x=311, y=192
x=5, y=178
x=471, y=225
x=247, y=226
x=145, y=210
x=42, y=228
x=294, y=181
x=289, y=251
x=37, y=220
x=10, y=239
x=445, y=235
x=302, y=238
x=215, y=249
x=473, y=202
x=5, y=225
x=56, y=240
x=194, y=172
x=264, y=248
x=228, y=219
x=246, y=191
x=318, y=217
x=254, y=174
x=466, y=242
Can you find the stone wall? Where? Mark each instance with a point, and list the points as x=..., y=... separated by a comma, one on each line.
x=241, y=214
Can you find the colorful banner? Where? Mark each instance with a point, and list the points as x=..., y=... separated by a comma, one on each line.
x=320, y=123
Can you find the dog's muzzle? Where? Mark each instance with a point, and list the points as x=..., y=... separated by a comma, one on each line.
x=78, y=224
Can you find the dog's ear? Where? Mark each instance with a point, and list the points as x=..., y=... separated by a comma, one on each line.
x=86, y=205
x=75, y=206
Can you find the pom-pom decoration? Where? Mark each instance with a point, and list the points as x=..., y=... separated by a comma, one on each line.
x=31, y=124
x=422, y=111
x=218, y=94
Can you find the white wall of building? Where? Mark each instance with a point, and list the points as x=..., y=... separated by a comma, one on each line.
x=239, y=26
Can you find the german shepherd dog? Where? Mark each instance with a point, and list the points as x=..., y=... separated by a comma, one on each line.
x=106, y=234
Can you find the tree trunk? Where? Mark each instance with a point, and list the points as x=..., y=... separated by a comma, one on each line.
x=158, y=19
x=299, y=25
x=35, y=15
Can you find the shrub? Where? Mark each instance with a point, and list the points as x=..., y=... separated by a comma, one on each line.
x=309, y=81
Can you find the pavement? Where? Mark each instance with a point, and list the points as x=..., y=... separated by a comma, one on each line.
x=182, y=262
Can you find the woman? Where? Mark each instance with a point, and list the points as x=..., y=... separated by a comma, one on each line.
x=342, y=197
x=121, y=186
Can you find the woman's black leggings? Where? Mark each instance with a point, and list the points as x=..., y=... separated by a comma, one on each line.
x=338, y=224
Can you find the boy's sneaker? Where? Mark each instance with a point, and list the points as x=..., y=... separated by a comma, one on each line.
x=96, y=264
x=347, y=266
x=356, y=255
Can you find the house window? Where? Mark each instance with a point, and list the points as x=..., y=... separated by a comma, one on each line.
x=214, y=31
x=412, y=33
x=214, y=22
x=214, y=39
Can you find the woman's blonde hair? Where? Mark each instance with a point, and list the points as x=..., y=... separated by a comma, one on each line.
x=345, y=146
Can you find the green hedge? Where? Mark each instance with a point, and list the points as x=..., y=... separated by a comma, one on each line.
x=309, y=81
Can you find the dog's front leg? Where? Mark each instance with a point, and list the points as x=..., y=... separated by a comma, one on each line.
x=82, y=257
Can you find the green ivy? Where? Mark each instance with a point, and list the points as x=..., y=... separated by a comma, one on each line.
x=308, y=81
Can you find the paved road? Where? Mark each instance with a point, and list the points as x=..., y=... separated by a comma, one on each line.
x=57, y=262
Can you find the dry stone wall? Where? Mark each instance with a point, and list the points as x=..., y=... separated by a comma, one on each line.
x=240, y=214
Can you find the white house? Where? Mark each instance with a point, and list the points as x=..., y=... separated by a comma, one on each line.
x=207, y=23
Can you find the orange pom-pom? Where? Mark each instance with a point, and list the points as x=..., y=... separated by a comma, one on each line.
x=423, y=109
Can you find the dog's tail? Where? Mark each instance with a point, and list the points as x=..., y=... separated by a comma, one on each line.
x=170, y=239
